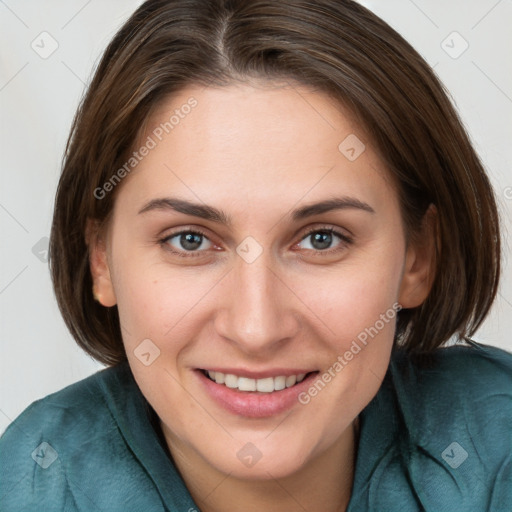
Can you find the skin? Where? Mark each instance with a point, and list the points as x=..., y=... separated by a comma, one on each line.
x=258, y=151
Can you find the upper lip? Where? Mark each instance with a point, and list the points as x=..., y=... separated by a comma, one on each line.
x=262, y=374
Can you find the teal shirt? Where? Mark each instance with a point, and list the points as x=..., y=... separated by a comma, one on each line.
x=436, y=439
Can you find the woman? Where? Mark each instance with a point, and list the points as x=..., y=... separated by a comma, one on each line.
x=269, y=221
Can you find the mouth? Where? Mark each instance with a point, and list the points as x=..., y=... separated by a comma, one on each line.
x=248, y=384
x=245, y=395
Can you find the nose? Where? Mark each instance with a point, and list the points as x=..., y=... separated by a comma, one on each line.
x=258, y=312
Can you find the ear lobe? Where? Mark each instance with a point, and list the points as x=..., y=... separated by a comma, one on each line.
x=103, y=289
x=420, y=262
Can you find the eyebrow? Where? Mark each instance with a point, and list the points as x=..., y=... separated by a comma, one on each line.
x=215, y=215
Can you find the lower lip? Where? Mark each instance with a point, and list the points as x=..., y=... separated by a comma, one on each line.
x=254, y=404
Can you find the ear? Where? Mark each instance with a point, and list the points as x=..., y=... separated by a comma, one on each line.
x=102, y=288
x=420, y=261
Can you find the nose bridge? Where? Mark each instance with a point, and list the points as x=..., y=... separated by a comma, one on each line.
x=259, y=311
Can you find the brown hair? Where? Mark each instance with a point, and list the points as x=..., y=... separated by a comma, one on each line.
x=335, y=46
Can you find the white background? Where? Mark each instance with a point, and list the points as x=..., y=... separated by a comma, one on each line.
x=38, y=98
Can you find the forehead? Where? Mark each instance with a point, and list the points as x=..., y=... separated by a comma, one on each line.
x=262, y=141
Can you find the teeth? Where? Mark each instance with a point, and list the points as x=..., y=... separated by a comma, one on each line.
x=279, y=383
x=231, y=381
x=266, y=385
x=291, y=380
x=245, y=384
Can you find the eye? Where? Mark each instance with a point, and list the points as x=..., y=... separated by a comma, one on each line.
x=184, y=242
x=193, y=242
x=322, y=240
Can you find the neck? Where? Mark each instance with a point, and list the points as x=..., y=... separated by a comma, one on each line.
x=323, y=483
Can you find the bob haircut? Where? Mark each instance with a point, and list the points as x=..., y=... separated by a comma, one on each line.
x=337, y=47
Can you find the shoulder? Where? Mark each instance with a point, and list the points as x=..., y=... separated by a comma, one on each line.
x=475, y=364
x=473, y=380
x=456, y=426
x=52, y=414
x=56, y=454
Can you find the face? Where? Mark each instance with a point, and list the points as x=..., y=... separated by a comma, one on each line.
x=256, y=241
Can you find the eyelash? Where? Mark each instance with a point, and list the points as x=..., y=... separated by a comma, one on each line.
x=346, y=241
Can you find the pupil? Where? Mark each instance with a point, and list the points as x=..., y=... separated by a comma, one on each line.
x=190, y=241
x=322, y=240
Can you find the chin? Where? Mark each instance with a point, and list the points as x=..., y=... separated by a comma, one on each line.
x=276, y=468
x=260, y=461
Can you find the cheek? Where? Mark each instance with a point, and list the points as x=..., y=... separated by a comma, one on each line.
x=354, y=298
x=362, y=318
x=164, y=304
x=139, y=305
x=358, y=304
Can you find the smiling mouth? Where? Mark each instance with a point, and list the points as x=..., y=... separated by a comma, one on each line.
x=265, y=385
